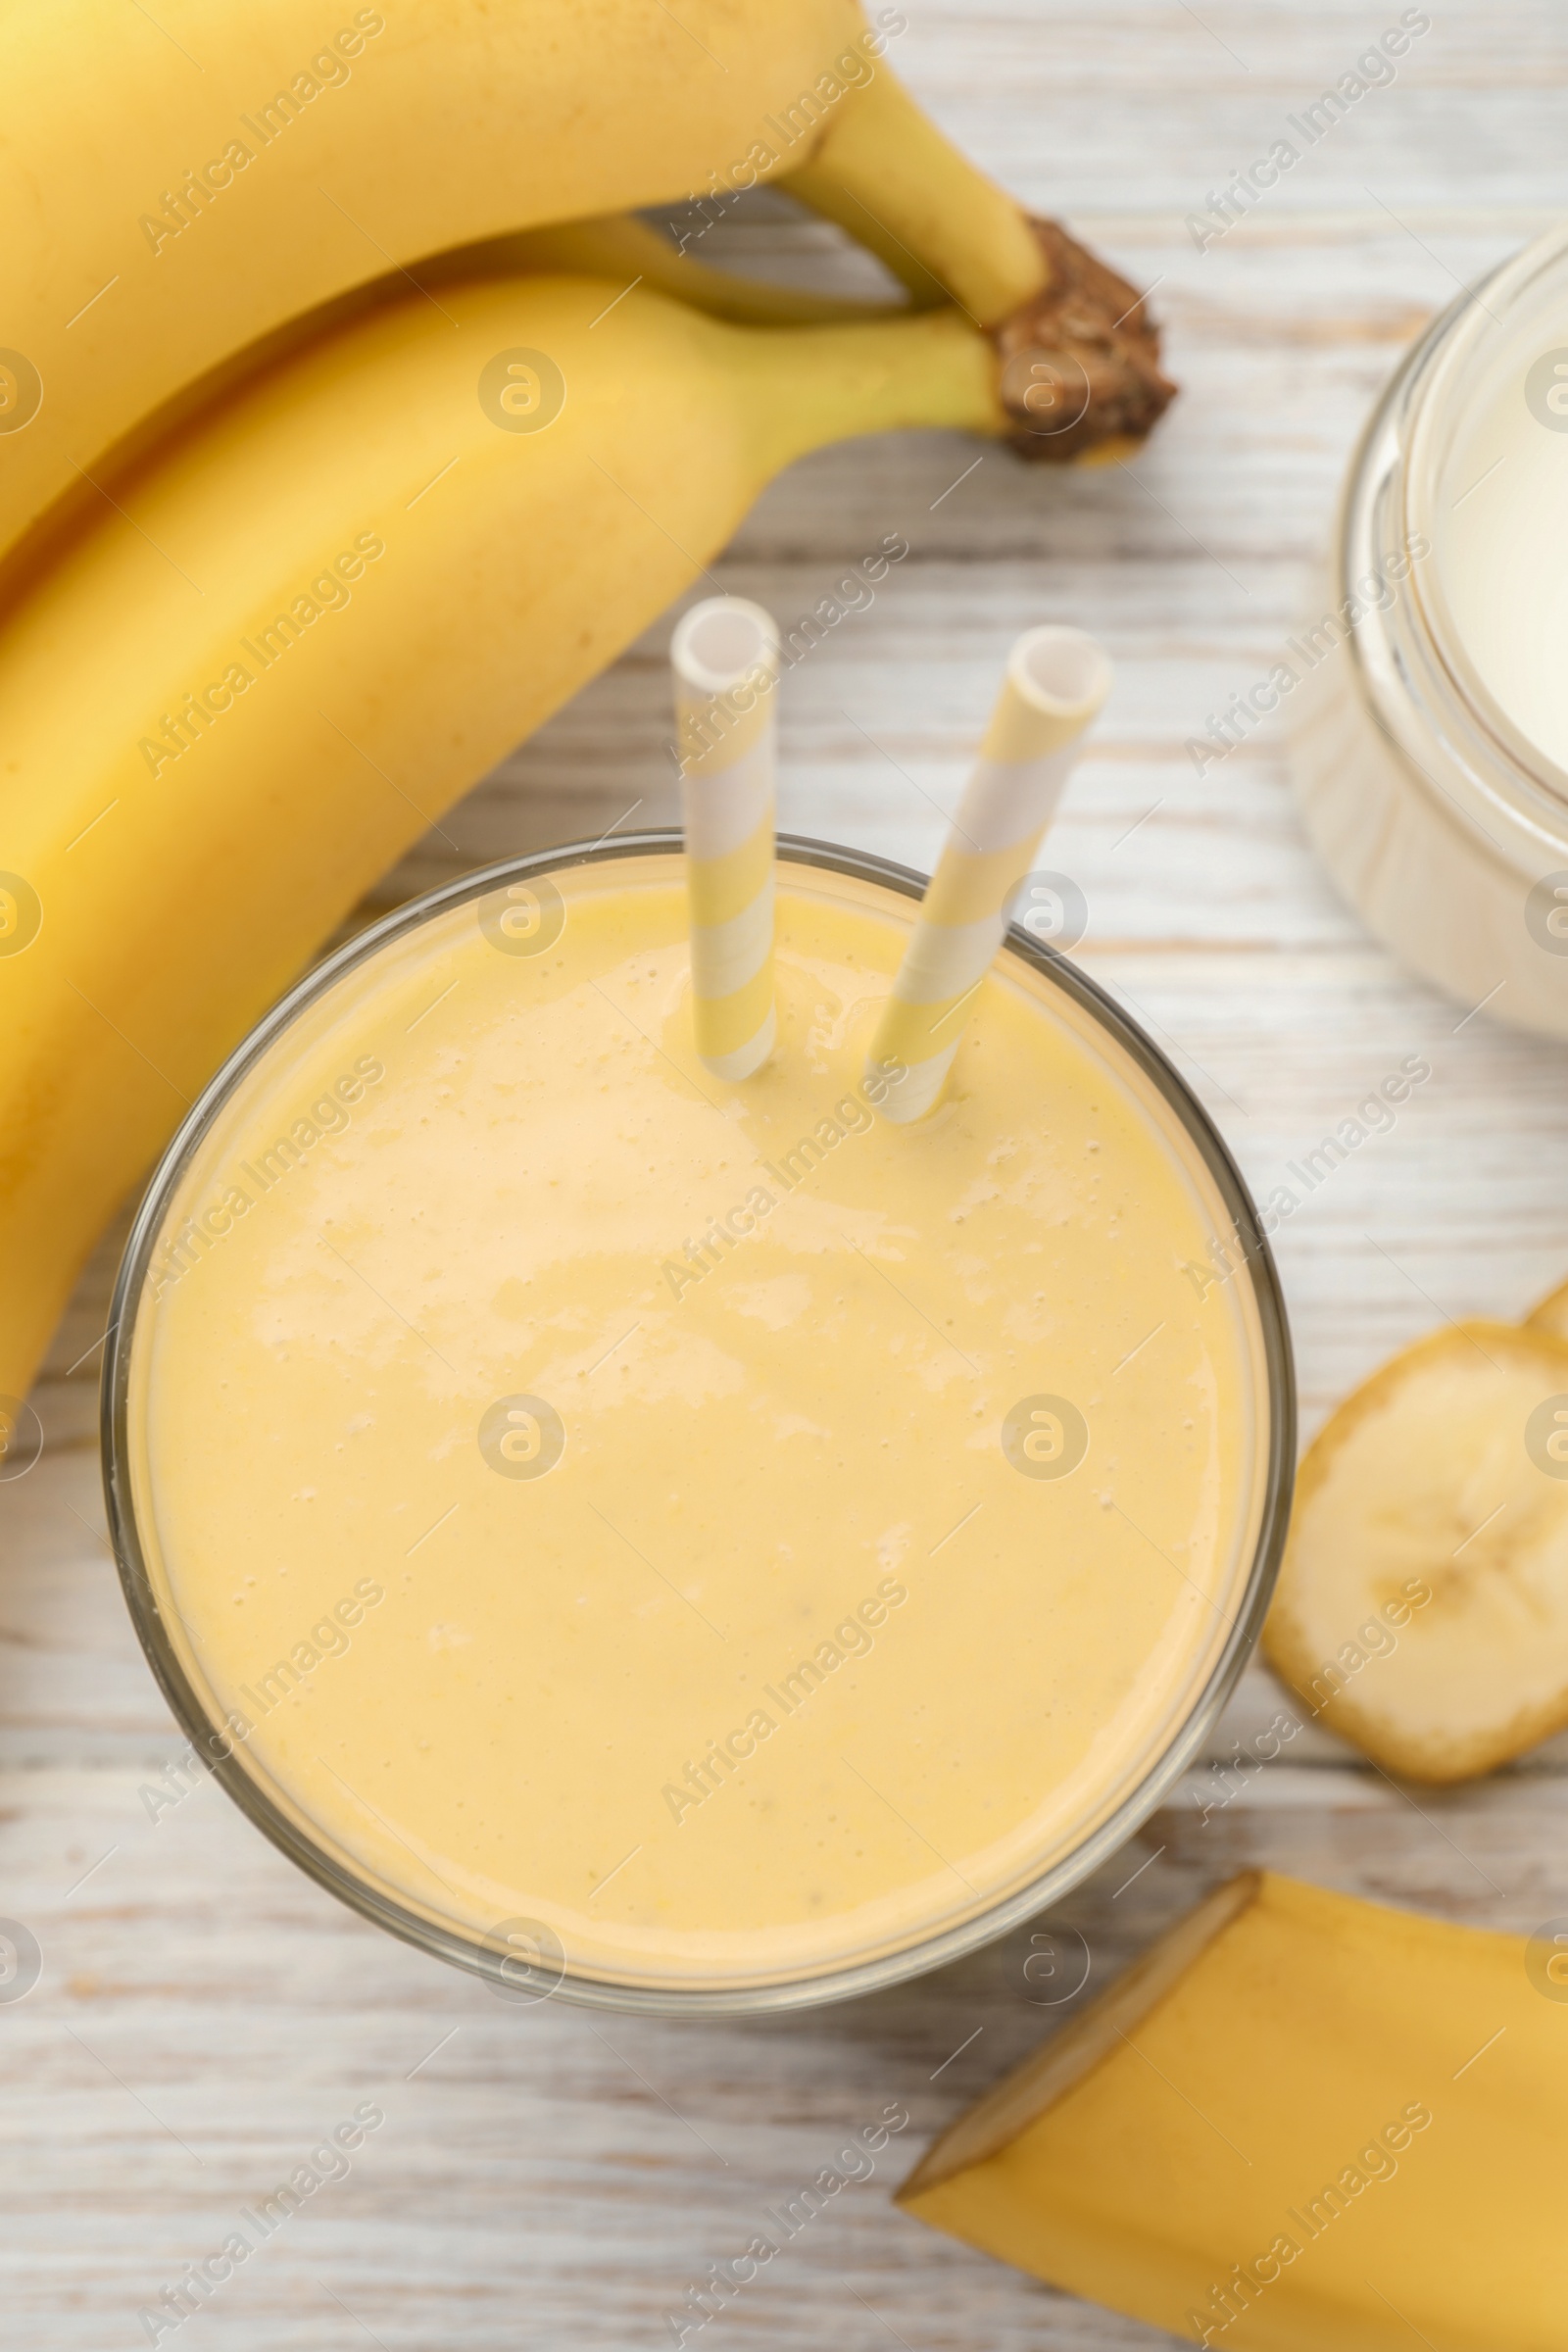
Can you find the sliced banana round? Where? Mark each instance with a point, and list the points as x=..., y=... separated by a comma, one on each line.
x=1551, y=1314
x=1422, y=1609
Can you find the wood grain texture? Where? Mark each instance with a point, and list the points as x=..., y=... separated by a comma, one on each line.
x=545, y=2177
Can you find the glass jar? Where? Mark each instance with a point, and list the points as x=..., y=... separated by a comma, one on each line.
x=531, y=1740
x=1426, y=743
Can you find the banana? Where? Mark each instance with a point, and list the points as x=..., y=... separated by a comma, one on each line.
x=1422, y=1608
x=1299, y=2120
x=311, y=623
x=179, y=184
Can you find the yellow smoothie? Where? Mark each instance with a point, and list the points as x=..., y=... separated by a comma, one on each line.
x=744, y=1536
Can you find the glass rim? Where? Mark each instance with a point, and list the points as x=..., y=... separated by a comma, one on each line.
x=506, y=1974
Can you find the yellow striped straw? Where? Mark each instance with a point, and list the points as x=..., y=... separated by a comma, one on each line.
x=1055, y=684
x=725, y=659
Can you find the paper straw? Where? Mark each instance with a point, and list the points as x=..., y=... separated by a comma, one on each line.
x=725, y=659
x=1056, y=680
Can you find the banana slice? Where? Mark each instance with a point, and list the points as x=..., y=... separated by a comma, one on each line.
x=1551, y=1314
x=1422, y=1609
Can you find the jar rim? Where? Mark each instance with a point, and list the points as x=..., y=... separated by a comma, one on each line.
x=1415, y=669
x=1479, y=327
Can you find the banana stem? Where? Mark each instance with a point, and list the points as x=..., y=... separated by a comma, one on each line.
x=831, y=383
x=886, y=174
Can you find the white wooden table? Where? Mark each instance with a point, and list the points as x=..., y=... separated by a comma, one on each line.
x=546, y=2177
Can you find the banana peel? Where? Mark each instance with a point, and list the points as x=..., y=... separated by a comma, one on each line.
x=1298, y=2120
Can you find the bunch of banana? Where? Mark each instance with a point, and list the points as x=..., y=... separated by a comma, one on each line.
x=179, y=184
x=1422, y=1609
x=374, y=466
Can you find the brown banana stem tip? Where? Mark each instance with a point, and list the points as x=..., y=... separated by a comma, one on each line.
x=1080, y=362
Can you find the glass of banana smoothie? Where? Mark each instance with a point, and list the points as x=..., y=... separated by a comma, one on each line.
x=684, y=1545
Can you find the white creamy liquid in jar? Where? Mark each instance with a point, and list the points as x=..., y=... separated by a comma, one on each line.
x=1502, y=546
